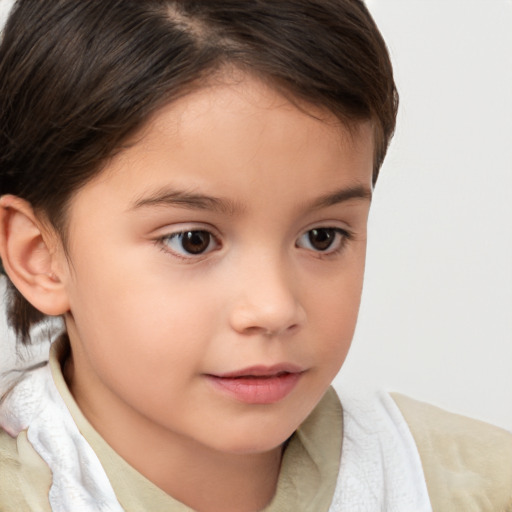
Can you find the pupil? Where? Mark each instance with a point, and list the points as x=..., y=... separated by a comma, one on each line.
x=195, y=242
x=321, y=239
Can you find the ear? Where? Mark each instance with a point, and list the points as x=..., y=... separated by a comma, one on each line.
x=32, y=256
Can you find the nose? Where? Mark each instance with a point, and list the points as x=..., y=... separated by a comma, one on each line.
x=267, y=301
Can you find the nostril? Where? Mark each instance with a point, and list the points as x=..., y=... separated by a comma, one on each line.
x=271, y=333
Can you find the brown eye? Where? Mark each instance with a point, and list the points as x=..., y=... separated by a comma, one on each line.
x=195, y=242
x=190, y=243
x=321, y=239
x=325, y=240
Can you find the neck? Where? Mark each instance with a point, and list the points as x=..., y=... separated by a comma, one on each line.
x=202, y=478
x=211, y=482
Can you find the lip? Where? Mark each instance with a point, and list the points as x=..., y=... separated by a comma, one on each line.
x=258, y=384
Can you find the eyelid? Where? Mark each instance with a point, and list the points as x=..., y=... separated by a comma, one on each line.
x=182, y=227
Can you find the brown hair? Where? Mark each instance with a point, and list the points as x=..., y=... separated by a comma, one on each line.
x=77, y=77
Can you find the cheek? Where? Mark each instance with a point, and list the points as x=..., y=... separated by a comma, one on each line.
x=334, y=309
x=140, y=318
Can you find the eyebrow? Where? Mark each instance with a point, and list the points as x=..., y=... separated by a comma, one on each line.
x=196, y=201
x=341, y=196
x=188, y=200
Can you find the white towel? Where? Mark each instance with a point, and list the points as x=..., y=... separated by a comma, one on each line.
x=380, y=464
x=79, y=481
x=30, y=401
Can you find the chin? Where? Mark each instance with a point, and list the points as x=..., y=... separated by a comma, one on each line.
x=255, y=440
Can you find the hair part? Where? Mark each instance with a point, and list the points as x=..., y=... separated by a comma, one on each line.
x=79, y=77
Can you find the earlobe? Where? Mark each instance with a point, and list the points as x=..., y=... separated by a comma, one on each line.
x=29, y=253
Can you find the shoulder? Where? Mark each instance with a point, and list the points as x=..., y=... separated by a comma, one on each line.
x=26, y=479
x=467, y=463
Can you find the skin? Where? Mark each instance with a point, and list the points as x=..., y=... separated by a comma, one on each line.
x=148, y=321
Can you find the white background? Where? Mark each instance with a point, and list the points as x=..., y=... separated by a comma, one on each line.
x=436, y=316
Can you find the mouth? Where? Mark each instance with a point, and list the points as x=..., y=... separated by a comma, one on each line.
x=258, y=384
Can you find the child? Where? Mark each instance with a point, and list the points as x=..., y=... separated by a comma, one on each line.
x=187, y=184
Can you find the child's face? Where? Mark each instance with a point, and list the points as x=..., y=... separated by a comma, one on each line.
x=228, y=241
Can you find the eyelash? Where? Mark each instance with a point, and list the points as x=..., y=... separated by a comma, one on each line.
x=341, y=237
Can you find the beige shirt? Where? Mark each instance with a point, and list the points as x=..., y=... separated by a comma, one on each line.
x=467, y=463
x=306, y=482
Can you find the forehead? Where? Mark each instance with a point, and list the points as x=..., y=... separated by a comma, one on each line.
x=231, y=134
